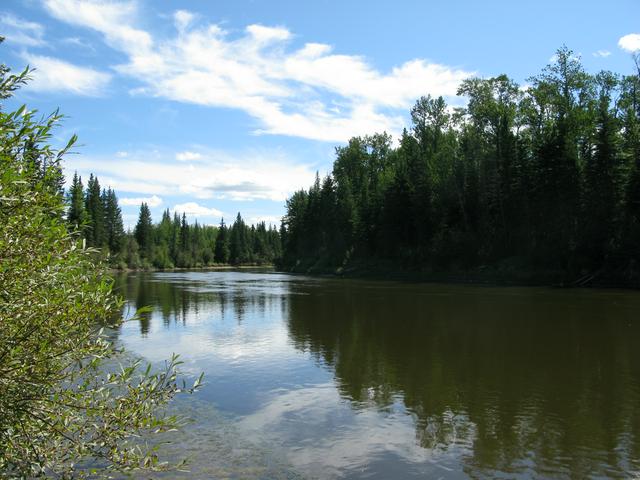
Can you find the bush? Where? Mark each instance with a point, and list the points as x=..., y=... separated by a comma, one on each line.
x=62, y=412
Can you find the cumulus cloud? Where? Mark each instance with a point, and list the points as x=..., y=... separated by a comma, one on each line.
x=630, y=43
x=193, y=209
x=153, y=201
x=188, y=156
x=55, y=75
x=308, y=91
x=20, y=31
x=242, y=177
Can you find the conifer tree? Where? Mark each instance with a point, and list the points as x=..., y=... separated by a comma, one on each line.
x=143, y=230
x=114, y=229
x=239, y=242
x=76, y=214
x=221, y=253
x=94, y=206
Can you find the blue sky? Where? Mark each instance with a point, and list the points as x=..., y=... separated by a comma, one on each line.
x=214, y=107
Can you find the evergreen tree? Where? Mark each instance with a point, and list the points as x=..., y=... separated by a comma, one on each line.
x=543, y=181
x=239, y=242
x=94, y=206
x=114, y=229
x=222, y=244
x=143, y=230
x=76, y=213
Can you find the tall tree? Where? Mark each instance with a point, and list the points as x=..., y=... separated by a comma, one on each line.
x=76, y=214
x=143, y=230
x=94, y=206
x=114, y=229
x=221, y=253
x=239, y=242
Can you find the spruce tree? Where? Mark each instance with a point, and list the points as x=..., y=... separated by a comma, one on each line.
x=76, y=214
x=221, y=253
x=143, y=230
x=113, y=221
x=238, y=242
x=95, y=212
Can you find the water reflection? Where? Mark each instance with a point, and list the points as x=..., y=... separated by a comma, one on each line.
x=527, y=380
x=354, y=378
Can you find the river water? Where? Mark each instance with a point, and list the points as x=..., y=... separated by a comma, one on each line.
x=309, y=377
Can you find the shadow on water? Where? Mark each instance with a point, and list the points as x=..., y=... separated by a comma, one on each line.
x=503, y=382
x=528, y=380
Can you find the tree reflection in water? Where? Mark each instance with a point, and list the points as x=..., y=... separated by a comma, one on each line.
x=511, y=381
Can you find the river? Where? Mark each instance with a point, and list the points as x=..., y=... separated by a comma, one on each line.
x=311, y=377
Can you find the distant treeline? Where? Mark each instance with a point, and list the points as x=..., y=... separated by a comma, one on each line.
x=537, y=178
x=95, y=214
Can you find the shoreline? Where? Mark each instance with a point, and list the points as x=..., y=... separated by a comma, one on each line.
x=212, y=268
x=486, y=276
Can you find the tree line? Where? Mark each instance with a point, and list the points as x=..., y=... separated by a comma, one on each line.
x=524, y=180
x=94, y=213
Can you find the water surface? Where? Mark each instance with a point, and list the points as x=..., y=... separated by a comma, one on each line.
x=333, y=378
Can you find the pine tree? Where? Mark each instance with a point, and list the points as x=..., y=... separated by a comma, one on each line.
x=143, y=230
x=113, y=221
x=76, y=214
x=95, y=212
x=238, y=242
x=221, y=253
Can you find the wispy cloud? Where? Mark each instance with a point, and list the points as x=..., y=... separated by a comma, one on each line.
x=630, y=43
x=308, y=92
x=20, y=31
x=77, y=42
x=602, y=53
x=153, y=201
x=55, y=75
x=242, y=177
x=188, y=156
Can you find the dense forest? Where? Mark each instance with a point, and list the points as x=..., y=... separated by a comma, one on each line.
x=536, y=181
x=95, y=214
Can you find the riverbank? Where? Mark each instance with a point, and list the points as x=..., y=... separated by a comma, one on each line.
x=203, y=268
x=504, y=274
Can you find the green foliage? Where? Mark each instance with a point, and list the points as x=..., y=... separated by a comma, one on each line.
x=67, y=406
x=76, y=215
x=174, y=243
x=547, y=178
x=221, y=253
x=114, y=230
x=142, y=232
x=94, y=206
x=171, y=243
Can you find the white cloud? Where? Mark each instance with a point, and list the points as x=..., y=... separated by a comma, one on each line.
x=252, y=175
x=21, y=31
x=77, y=42
x=153, y=201
x=192, y=209
x=602, y=53
x=122, y=154
x=307, y=92
x=55, y=75
x=109, y=18
x=188, y=156
x=183, y=19
x=630, y=43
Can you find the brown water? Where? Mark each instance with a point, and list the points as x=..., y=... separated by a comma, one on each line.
x=333, y=378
